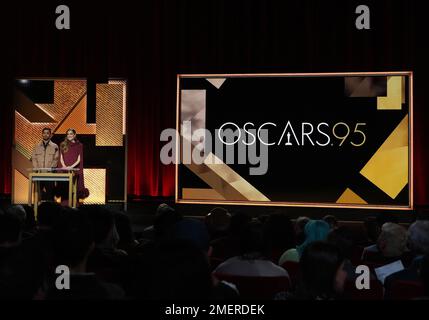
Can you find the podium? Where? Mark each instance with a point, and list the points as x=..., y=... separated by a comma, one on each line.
x=54, y=175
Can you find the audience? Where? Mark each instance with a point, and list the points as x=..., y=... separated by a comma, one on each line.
x=183, y=258
x=21, y=270
x=373, y=227
x=178, y=267
x=314, y=230
x=342, y=238
x=278, y=236
x=251, y=261
x=73, y=243
x=418, y=239
x=331, y=220
x=391, y=246
x=10, y=230
x=392, y=241
x=127, y=241
x=229, y=245
x=372, y=231
x=106, y=260
x=41, y=244
x=19, y=212
x=178, y=270
x=323, y=275
x=299, y=229
x=165, y=218
x=217, y=222
x=418, y=243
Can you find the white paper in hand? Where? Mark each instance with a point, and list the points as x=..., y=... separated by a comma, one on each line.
x=383, y=272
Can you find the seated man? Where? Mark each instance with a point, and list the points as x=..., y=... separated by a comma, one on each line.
x=391, y=245
x=418, y=243
x=251, y=261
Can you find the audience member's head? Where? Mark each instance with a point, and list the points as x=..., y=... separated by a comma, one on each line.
x=30, y=219
x=322, y=270
x=331, y=220
x=177, y=270
x=418, y=237
x=392, y=241
x=238, y=222
x=373, y=225
x=73, y=240
x=278, y=233
x=343, y=239
x=251, y=241
x=125, y=231
x=165, y=218
x=299, y=229
x=10, y=230
x=315, y=230
x=105, y=233
x=49, y=213
x=21, y=274
x=193, y=231
x=18, y=211
x=217, y=221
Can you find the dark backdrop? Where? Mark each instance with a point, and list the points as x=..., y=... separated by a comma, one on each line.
x=149, y=42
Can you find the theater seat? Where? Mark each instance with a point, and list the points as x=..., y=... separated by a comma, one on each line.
x=256, y=287
x=375, y=292
x=405, y=290
x=293, y=270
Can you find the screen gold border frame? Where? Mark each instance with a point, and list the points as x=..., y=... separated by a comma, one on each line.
x=23, y=77
x=302, y=204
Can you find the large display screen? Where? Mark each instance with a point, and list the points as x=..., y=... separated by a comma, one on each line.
x=330, y=139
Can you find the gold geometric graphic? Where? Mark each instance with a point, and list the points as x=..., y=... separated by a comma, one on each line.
x=225, y=181
x=28, y=134
x=20, y=187
x=109, y=114
x=350, y=197
x=66, y=94
x=28, y=109
x=388, y=167
x=95, y=181
x=216, y=82
x=395, y=94
x=77, y=120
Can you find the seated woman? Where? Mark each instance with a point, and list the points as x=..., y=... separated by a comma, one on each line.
x=71, y=157
x=315, y=230
x=323, y=274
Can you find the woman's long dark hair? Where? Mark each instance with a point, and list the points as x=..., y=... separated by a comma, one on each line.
x=319, y=264
x=66, y=143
